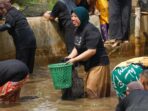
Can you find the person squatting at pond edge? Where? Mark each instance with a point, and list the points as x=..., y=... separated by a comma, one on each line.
x=13, y=75
x=128, y=71
x=22, y=34
x=136, y=97
x=62, y=10
x=89, y=50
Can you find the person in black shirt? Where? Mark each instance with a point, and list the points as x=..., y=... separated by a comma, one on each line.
x=24, y=39
x=62, y=11
x=13, y=74
x=89, y=50
x=137, y=98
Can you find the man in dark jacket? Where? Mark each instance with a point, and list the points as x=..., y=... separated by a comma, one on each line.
x=17, y=26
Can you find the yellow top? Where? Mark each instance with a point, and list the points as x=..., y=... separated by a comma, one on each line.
x=102, y=6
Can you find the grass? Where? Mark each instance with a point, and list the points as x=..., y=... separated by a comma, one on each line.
x=24, y=2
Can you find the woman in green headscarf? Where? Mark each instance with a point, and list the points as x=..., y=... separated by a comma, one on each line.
x=89, y=50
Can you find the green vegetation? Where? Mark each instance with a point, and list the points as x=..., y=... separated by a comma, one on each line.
x=50, y=3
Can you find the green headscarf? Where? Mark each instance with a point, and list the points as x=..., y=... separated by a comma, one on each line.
x=82, y=14
x=122, y=76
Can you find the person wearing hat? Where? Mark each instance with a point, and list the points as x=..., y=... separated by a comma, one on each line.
x=126, y=72
x=13, y=75
x=89, y=51
x=136, y=97
x=17, y=26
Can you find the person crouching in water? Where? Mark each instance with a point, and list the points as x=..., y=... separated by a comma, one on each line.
x=17, y=26
x=128, y=71
x=89, y=50
x=136, y=95
x=13, y=75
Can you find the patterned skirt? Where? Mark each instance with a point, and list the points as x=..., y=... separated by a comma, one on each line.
x=10, y=91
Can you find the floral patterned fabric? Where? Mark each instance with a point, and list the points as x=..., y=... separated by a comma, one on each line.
x=10, y=91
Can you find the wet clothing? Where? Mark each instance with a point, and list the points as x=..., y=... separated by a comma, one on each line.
x=23, y=36
x=27, y=56
x=122, y=76
x=13, y=75
x=87, y=36
x=98, y=82
x=12, y=70
x=136, y=101
x=10, y=91
x=119, y=19
x=61, y=11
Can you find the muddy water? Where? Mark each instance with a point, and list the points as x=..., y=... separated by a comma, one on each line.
x=39, y=95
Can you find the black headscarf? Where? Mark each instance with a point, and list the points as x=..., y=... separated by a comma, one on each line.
x=82, y=14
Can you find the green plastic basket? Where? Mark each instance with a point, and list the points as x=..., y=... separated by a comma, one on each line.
x=61, y=75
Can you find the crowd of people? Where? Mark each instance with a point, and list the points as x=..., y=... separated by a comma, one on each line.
x=84, y=43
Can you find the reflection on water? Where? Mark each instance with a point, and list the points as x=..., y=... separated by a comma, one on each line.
x=39, y=95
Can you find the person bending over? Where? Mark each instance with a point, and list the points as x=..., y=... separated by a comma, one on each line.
x=17, y=26
x=13, y=75
x=136, y=97
x=126, y=72
x=90, y=52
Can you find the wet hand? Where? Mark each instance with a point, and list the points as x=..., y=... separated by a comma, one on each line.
x=71, y=61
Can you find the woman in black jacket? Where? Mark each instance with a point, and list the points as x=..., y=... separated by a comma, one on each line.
x=24, y=39
x=89, y=50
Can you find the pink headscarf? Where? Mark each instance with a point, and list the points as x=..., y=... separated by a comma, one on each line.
x=135, y=85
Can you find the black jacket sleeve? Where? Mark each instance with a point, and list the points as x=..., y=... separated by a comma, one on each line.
x=5, y=27
x=122, y=105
